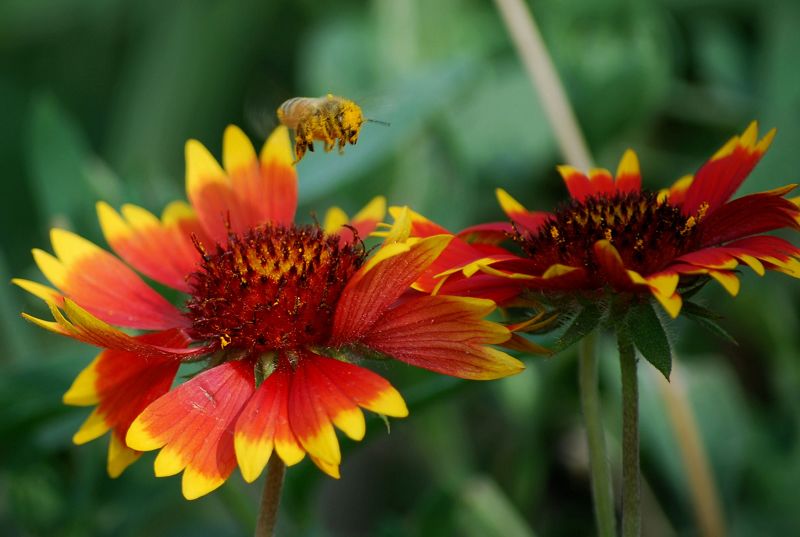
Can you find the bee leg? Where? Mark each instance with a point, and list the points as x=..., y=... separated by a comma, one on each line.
x=300, y=145
x=299, y=151
x=331, y=133
x=342, y=143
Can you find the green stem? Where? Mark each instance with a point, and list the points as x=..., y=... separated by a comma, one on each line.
x=631, y=515
x=270, y=497
x=598, y=462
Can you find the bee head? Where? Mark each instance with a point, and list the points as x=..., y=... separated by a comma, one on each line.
x=350, y=118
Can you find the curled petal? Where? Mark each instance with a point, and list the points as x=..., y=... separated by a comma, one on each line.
x=81, y=325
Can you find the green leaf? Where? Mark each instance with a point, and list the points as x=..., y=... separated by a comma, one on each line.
x=649, y=337
x=694, y=309
x=583, y=323
x=712, y=326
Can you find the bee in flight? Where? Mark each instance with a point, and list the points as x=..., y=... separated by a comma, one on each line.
x=331, y=119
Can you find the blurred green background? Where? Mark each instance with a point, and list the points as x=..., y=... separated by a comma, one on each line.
x=99, y=96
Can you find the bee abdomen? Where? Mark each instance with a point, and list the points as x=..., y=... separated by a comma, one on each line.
x=291, y=111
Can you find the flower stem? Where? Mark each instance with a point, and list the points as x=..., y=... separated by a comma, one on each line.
x=270, y=497
x=598, y=462
x=631, y=515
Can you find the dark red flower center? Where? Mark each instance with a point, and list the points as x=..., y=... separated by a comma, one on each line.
x=273, y=288
x=647, y=233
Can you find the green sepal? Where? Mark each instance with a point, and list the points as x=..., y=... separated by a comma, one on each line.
x=708, y=320
x=584, y=322
x=645, y=328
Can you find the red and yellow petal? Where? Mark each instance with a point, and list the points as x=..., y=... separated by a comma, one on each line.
x=629, y=177
x=749, y=215
x=578, y=185
x=343, y=411
x=676, y=193
x=309, y=420
x=279, y=184
x=364, y=222
x=140, y=238
x=764, y=251
x=458, y=255
x=104, y=285
x=601, y=181
x=446, y=334
x=193, y=425
x=365, y=388
x=612, y=266
x=335, y=218
x=208, y=189
x=120, y=456
x=250, y=191
x=263, y=424
x=499, y=289
x=242, y=167
x=122, y=384
x=380, y=282
x=663, y=287
x=81, y=325
x=489, y=233
x=516, y=212
x=717, y=180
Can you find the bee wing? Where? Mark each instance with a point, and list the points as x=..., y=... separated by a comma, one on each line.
x=260, y=103
x=260, y=119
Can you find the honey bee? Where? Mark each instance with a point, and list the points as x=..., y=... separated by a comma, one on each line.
x=331, y=119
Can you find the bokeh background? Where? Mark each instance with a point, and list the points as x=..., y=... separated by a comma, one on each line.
x=97, y=98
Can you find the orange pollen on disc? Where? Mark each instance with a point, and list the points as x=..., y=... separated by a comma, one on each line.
x=647, y=233
x=273, y=288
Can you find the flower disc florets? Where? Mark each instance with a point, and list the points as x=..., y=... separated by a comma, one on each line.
x=647, y=233
x=273, y=288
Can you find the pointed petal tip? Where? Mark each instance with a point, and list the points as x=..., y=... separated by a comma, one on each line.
x=508, y=203
x=119, y=457
x=194, y=484
x=251, y=455
x=139, y=439
x=237, y=150
x=278, y=148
